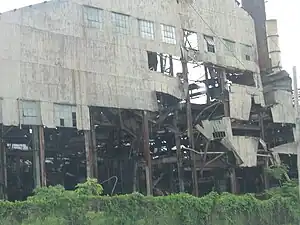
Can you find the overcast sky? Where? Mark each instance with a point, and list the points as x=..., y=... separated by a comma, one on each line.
x=285, y=11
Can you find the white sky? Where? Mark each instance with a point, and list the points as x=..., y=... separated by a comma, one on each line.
x=285, y=11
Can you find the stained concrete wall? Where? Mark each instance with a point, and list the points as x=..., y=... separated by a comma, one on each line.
x=49, y=55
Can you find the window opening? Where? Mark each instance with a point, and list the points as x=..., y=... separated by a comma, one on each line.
x=190, y=40
x=168, y=34
x=229, y=47
x=93, y=17
x=247, y=52
x=163, y=63
x=146, y=29
x=120, y=23
x=210, y=44
x=74, y=119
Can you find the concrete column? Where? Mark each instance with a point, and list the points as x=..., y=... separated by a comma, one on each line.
x=233, y=181
x=88, y=154
x=42, y=156
x=36, y=157
x=147, y=156
x=94, y=147
x=3, y=167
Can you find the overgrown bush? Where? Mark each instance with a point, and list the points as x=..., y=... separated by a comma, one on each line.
x=85, y=206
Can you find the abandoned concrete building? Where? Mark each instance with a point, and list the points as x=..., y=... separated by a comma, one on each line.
x=150, y=96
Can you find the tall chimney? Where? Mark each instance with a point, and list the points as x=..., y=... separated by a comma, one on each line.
x=273, y=45
x=257, y=9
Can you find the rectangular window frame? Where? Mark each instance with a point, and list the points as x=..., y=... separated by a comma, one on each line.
x=146, y=29
x=247, y=52
x=120, y=23
x=210, y=43
x=168, y=33
x=187, y=42
x=230, y=47
x=93, y=17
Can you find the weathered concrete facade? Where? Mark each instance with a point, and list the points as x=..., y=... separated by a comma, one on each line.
x=49, y=54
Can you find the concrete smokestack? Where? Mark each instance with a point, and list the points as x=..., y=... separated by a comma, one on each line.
x=273, y=45
x=256, y=8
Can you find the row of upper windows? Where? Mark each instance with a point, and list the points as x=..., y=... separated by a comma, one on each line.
x=94, y=18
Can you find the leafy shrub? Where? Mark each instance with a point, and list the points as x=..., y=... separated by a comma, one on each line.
x=85, y=206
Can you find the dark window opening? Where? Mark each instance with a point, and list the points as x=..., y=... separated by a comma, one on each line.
x=241, y=77
x=211, y=48
x=74, y=121
x=62, y=122
x=152, y=60
x=248, y=58
x=219, y=134
x=162, y=63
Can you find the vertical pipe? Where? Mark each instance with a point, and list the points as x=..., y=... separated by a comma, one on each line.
x=42, y=156
x=147, y=156
x=190, y=122
x=224, y=93
x=178, y=154
x=206, y=82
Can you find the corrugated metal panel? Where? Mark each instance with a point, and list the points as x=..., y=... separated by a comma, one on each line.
x=289, y=148
x=240, y=100
x=47, y=114
x=246, y=148
x=283, y=111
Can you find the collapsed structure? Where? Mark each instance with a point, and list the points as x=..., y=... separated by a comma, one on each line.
x=95, y=88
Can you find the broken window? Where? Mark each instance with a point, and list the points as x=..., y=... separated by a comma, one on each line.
x=30, y=113
x=120, y=23
x=229, y=47
x=152, y=60
x=74, y=119
x=241, y=77
x=146, y=29
x=168, y=34
x=247, y=52
x=190, y=40
x=93, y=17
x=210, y=44
x=163, y=63
x=65, y=115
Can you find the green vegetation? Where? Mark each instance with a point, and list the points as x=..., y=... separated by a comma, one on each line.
x=85, y=206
